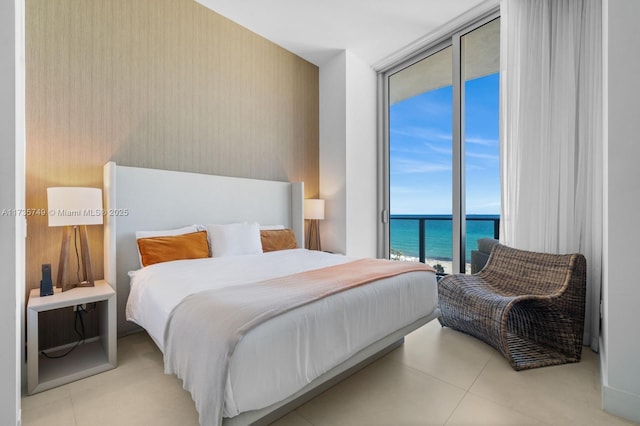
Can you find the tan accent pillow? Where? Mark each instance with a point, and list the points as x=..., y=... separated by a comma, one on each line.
x=278, y=239
x=164, y=249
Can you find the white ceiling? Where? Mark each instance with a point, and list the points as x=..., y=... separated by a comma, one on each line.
x=317, y=29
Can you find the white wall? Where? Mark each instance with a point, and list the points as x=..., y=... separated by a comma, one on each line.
x=348, y=155
x=12, y=227
x=620, y=348
x=333, y=162
x=362, y=146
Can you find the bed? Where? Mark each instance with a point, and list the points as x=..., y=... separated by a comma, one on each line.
x=282, y=361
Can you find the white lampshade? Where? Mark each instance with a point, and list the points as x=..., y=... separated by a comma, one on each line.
x=74, y=206
x=314, y=209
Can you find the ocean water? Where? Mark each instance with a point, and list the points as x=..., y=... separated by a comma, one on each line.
x=438, y=237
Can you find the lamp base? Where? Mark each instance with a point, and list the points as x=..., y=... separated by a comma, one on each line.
x=313, y=236
x=85, y=260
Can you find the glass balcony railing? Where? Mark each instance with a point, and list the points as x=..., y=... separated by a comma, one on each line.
x=429, y=238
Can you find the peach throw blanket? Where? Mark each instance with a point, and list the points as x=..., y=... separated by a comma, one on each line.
x=204, y=329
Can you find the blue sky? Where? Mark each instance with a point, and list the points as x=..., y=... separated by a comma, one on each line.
x=420, y=150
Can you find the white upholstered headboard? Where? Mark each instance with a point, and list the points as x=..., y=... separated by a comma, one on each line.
x=139, y=199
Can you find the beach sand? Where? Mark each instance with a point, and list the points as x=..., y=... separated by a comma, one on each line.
x=447, y=265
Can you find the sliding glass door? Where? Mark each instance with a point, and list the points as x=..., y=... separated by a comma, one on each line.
x=442, y=188
x=480, y=63
x=420, y=158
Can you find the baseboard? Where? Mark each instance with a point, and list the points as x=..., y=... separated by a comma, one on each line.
x=616, y=401
x=621, y=403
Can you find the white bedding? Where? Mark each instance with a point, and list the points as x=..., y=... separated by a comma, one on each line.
x=281, y=356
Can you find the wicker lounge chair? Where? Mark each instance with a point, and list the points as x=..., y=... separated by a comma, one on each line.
x=527, y=305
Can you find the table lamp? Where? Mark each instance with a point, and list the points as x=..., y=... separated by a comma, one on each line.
x=75, y=208
x=314, y=212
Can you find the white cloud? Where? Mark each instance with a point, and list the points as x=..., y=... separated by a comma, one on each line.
x=493, y=157
x=481, y=141
x=446, y=150
x=403, y=165
x=414, y=149
x=483, y=207
x=422, y=133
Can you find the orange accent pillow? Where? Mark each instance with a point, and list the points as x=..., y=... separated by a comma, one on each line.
x=164, y=249
x=278, y=239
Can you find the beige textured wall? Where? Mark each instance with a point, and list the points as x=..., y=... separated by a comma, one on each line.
x=156, y=83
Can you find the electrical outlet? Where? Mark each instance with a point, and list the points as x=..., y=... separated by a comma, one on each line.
x=84, y=307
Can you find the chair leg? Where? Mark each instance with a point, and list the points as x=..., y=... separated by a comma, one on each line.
x=540, y=335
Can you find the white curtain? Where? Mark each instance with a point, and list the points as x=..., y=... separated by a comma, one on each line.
x=551, y=133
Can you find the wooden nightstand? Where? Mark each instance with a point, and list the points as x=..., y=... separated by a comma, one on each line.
x=94, y=356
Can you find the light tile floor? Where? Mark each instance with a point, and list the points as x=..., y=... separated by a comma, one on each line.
x=439, y=377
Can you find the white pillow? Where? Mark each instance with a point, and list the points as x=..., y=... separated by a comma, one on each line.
x=271, y=227
x=166, y=233
x=234, y=239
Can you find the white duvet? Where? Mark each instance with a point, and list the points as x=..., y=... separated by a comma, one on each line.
x=279, y=357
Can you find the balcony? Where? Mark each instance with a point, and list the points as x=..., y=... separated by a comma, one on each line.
x=429, y=238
